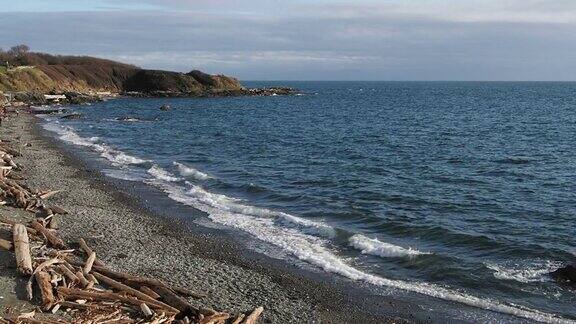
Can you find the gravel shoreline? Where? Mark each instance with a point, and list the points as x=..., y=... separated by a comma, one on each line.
x=129, y=237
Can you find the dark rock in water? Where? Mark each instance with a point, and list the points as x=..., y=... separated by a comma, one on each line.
x=72, y=116
x=49, y=111
x=127, y=119
x=566, y=274
x=165, y=107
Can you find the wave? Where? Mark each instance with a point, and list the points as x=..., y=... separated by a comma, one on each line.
x=535, y=272
x=187, y=171
x=68, y=134
x=378, y=248
x=316, y=250
x=301, y=238
x=159, y=173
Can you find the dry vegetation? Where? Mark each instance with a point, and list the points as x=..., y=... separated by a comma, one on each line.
x=54, y=73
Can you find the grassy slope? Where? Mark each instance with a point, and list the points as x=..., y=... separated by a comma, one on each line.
x=85, y=74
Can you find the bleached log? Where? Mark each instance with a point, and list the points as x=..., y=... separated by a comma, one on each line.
x=89, y=263
x=22, y=249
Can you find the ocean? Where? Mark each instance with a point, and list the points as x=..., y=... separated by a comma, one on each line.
x=464, y=191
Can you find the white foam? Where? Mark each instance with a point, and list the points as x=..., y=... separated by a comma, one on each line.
x=159, y=173
x=122, y=175
x=378, y=248
x=536, y=271
x=68, y=134
x=316, y=250
x=187, y=171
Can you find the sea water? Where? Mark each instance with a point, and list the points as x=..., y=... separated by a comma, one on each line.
x=465, y=191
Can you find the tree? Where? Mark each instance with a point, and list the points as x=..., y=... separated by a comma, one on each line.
x=19, y=50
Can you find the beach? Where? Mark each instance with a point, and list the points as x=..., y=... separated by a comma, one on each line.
x=130, y=238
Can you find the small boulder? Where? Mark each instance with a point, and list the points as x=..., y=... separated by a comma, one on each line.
x=566, y=274
x=165, y=107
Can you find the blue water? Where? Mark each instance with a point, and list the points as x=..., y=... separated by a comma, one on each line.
x=463, y=191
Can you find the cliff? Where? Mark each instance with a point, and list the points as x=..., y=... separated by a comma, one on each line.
x=39, y=72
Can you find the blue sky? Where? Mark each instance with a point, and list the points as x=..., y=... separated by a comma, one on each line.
x=310, y=40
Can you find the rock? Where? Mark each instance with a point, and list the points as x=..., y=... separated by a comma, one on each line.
x=127, y=119
x=165, y=107
x=567, y=274
x=72, y=116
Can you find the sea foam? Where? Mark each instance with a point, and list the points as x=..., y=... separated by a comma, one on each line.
x=187, y=171
x=535, y=272
x=376, y=247
x=115, y=156
x=162, y=174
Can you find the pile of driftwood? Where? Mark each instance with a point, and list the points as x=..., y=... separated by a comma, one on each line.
x=72, y=283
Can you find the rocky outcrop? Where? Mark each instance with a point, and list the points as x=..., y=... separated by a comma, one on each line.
x=86, y=79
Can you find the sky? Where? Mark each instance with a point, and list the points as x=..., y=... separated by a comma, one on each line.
x=310, y=40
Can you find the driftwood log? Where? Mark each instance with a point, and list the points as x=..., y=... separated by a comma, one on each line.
x=50, y=237
x=22, y=249
x=43, y=280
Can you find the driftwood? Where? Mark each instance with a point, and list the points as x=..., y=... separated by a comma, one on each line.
x=149, y=292
x=238, y=319
x=50, y=237
x=89, y=251
x=89, y=263
x=253, y=317
x=22, y=249
x=30, y=230
x=145, y=310
x=74, y=294
x=6, y=245
x=43, y=280
x=83, y=281
x=80, y=287
x=122, y=287
x=69, y=274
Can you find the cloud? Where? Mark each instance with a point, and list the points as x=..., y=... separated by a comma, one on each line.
x=398, y=40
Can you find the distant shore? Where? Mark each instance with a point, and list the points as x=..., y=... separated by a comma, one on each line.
x=131, y=238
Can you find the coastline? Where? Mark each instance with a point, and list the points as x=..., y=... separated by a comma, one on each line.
x=146, y=243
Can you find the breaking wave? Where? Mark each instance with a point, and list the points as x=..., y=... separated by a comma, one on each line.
x=378, y=248
x=162, y=174
x=117, y=157
x=535, y=272
x=187, y=171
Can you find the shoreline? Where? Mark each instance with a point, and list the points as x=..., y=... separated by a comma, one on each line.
x=174, y=250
